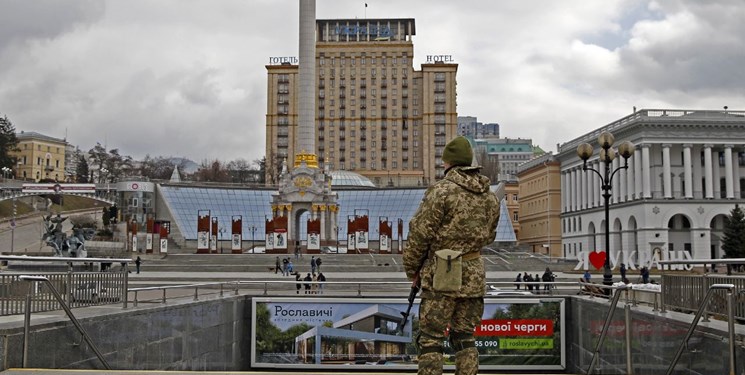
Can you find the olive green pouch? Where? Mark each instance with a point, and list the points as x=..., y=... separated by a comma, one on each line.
x=448, y=271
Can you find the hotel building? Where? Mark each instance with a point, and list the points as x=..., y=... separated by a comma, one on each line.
x=375, y=114
x=685, y=176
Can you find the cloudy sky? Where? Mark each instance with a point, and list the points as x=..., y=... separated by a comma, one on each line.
x=187, y=77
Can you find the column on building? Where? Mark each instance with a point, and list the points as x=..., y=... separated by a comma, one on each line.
x=638, y=188
x=687, y=171
x=598, y=183
x=729, y=183
x=629, y=173
x=322, y=214
x=576, y=188
x=667, y=185
x=616, y=179
x=716, y=174
x=584, y=175
x=646, y=172
x=708, y=173
x=736, y=173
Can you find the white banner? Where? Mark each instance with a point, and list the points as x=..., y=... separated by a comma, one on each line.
x=269, y=241
x=351, y=244
x=384, y=243
x=134, y=243
x=213, y=243
x=235, y=244
x=280, y=240
x=314, y=241
x=149, y=241
x=163, y=245
x=361, y=238
x=203, y=242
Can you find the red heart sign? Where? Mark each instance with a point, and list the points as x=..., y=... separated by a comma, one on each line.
x=597, y=259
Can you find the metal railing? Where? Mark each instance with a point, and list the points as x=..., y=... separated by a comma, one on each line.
x=33, y=280
x=77, y=288
x=730, y=326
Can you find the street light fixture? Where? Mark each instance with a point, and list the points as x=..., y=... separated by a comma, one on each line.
x=606, y=156
x=6, y=172
x=253, y=231
x=222, y=231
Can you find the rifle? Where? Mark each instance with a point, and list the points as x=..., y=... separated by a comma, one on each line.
x=412, y=294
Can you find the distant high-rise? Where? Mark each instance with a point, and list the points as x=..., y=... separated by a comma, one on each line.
x=374, y=114
x=470, y=126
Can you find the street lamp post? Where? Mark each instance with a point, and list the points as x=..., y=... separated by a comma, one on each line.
x=253, y=245
x=6, y=172
x=222, y=231
x=606, y=155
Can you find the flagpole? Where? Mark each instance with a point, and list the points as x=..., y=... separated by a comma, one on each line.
x=365, y=10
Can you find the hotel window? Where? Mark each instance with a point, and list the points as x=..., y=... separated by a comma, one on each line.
x=332, y=61
x=514, y=216
x=373, y=71
x=322, y=61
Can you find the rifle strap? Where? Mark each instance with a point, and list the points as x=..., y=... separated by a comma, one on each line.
x=470, y=256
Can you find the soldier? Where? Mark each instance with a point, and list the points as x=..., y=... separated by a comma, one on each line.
x=458, y=213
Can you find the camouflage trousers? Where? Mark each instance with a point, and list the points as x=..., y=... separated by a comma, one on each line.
x=461, y=315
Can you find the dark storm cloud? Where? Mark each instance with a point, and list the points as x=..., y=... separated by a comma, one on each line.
x=22, y=20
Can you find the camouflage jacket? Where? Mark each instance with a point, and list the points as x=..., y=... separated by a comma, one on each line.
x=458, y=212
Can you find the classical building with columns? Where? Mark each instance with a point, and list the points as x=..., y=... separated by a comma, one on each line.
x=684, y=178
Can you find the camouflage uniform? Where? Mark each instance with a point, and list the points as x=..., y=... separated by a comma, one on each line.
x=459, y=213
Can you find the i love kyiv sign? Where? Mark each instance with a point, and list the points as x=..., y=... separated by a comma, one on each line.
x=633, y=260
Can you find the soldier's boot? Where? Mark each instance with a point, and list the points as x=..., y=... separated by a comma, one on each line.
x=430, y=363
x=466, y=354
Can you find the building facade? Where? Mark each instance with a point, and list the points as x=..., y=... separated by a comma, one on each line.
x=508, y=153
x=375, y=114
x=469, y=126
x=512, y=199
x=40, y=157
x=540, y=205
x=685, y=176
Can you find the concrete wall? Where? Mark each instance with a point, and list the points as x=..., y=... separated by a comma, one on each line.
x=210, y=335
x=214, y=335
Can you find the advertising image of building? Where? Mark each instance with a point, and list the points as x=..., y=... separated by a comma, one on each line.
x=370, y=335
x=682, y=181
x=374, y=113
x=40, y=157
x=540, y=205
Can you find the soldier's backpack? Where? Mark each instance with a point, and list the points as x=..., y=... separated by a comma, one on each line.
x=448, y=271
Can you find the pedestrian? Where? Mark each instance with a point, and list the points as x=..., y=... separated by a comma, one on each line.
x=285, y=261
x=276, y=266
x=547, y=279
x=623, y=271
x=318, y=264
x=297, y=252
x=307, y=280
x=313, y=264
x=537, y=285
x=518, y=280
x=314, y=286
x=529, y=282
x=587, y=276
x=138, y=262
x=458, y=213
x=298, y=284
x=645, y=275
x=289, y=266
x=321, y=280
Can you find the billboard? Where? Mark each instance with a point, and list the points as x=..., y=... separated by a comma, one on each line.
x=327, y=333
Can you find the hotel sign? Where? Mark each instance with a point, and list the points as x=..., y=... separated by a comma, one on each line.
x=279, y=60
x=439, y=58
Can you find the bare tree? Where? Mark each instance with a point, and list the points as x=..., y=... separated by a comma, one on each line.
x=489, y=164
